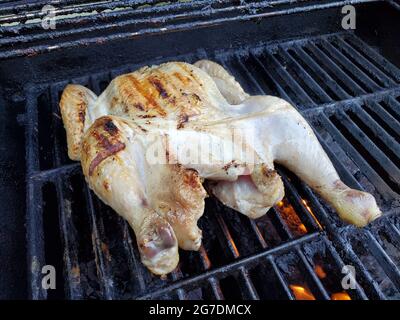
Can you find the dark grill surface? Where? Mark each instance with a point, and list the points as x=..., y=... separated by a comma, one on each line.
x=351, y=96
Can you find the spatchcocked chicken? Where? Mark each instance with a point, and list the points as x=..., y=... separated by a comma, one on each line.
x=151, y=139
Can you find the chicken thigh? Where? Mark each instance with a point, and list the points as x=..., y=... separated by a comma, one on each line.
x=149, y=141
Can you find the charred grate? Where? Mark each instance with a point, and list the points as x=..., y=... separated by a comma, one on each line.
x=94, y=22
x=351, y=96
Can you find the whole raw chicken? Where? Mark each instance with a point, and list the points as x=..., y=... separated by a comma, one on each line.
x=147, y=143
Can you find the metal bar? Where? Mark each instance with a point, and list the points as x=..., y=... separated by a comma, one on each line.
x=386, y=164
x=310, y=82
x=298, y=205
x=338, y=260
x=249, y=75
x=281, y=224
x=52, y=174
x=67, y=227
x=345, y=175
x=341, y=59
x=29, y=50
x=103, y=270
x=394, y=107
x=281, y=279
x=372, y=175
x=384, y=260
x=228, y=269
x=258, y=64
x=243, y=278
x=298, y=91
x=34, y=214
x=176, y=275
x=213, y=282
x=310, y=272
x=247, y=287
x=319, y=72
x=373, y=57
x=101, y=11
x=136, y=267
x=341, y=77
x=368, y=66
x=343, y=246
x=378, y=131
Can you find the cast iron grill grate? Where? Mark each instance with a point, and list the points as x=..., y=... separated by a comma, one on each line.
x=351, y=96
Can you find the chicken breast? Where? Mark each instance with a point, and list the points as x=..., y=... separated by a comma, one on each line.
x=149, y=141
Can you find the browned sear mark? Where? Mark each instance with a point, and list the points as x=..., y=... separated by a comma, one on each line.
x=82, y=115
x=191, y=178
x=111, y=128
x=159, y=87
x=104, y=154
x=183, y=118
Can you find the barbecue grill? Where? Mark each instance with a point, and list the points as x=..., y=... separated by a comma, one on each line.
x=346, y=83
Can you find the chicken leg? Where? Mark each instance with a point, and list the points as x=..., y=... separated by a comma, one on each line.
x=296, y=148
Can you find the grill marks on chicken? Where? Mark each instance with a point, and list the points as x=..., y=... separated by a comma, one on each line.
x=177, y=105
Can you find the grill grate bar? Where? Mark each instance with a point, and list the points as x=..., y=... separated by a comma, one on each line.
x=384, y=260
x=373, y=57
x=323, y=294
x=298, y=204
x=34, y=222
x=247, y=288
x=394, y=106
x=281, y=279
x=214, y=283
x=66, y=223
x=135, y=266
x=340, y=59
x=373, y=176
x=311, y=83
x=342, y=245
x=321, y=73
x=338, y=260
x=260, y=65
x=281, y=225
x=254, y=83
x=176, y=24
x=369, y=67
x=287, y=79
x=223, y=271
x=378, y=131
x=103, y=269
x=382, y=113
x=271, y=260
x=345, y=175
x=243, y=277
x=361, y=137
x=340, y=76
x=70, y=246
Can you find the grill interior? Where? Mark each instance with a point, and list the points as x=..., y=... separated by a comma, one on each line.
x=342, y=84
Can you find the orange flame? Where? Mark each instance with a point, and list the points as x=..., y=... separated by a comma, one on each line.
x=340, y=296
x=320, y=271
x=311, y=212
x=291, y=218
x=301, y=293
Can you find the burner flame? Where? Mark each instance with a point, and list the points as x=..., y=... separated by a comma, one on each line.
x=301, y=293
x=340, y=296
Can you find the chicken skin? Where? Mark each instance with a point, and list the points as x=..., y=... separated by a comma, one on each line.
x=149, y=141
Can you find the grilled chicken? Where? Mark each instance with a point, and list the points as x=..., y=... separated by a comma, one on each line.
x=149, y=141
